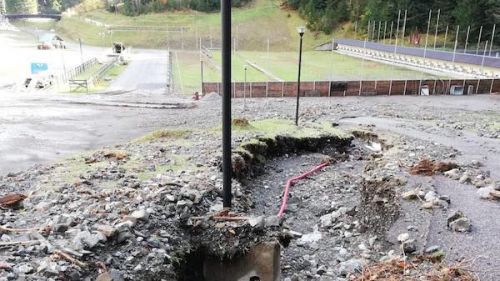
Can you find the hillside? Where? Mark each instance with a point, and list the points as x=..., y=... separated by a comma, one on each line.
x=253, y=26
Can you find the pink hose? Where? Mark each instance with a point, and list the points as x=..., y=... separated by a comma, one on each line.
x=291, y=182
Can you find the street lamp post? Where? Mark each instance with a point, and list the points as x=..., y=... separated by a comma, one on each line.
x=202, y=78
x=226, y=102
x=301, y=30
x=245, y=90
x=81, y=50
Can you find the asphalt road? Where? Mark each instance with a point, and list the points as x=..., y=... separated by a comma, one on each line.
x=147, y=72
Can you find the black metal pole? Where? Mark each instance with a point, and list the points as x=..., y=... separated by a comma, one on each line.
x=298, y=83
x=81, y=50
x=201, y=63
x=226, y=101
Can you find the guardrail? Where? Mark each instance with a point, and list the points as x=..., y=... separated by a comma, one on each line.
x=72, y=73
x=99, y=75
x=95, y=78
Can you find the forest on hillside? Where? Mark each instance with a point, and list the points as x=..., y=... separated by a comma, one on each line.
x=326, y=15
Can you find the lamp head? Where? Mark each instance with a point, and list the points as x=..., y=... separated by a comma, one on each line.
x=301, y=30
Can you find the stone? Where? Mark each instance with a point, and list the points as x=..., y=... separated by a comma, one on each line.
x=432, y=249
x=461, y=225
x=48, y=266
x=87, y=240
x=24, y=269
x=464, y=179
x=410, y=195
x=476, y=163
x=409, y=246
x=124, y=236
x=257, y=222
x=484, y=192
x=403, y=237
x=272, y=221
x=140, y=214
x=107, y=230
x=352, y=266
x=321, y=270
x=453, y=174
x=112, y=275
x=184, y=203
x=430, y=196
x=454, y=215
x=495, y=194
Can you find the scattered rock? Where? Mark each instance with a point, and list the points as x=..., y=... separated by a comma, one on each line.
x=461, y=225
x=432, y=249
x=495, y=193
x=107, y=230
x=352, y=266
x=409, y=246
x=403, y=237
x=485, y=192
x=24, y=269
x=410, y=195
x=87, y=240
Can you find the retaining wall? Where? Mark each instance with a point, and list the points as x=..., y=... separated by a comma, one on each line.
x=354, y=88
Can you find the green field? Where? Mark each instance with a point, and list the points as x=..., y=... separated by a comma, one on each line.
x=253, y=26
x=284, y=65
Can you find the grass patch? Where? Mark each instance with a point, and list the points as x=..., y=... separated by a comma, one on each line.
x=274, y=127
x=178, y=163
x=165, y=134
x=70, y=170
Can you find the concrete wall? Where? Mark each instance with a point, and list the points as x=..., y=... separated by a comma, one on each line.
x=354, y=88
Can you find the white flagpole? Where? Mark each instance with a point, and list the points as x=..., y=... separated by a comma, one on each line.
x=404, y=29
x=467, y=39
x=437, y=26
x=456, y=43
x=479, y=40
x=397, y=33
x=492, y=38
x=427, y=36
x=445, y=37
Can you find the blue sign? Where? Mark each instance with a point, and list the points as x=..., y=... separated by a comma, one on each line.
x=38, y=67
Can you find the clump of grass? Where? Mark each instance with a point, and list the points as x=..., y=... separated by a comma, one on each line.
x=165, y=134
x=241, y=123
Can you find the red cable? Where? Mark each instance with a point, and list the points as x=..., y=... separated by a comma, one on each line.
x=291, y=182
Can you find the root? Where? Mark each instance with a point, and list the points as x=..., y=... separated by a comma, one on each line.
x=67, y=257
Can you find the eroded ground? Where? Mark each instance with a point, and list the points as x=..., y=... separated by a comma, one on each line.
x=127, y=211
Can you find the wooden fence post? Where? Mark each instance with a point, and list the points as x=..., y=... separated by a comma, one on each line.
x=390, y=88
x=282, y=88
x=360, y=86
x=491, y=88
x=404, y=92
